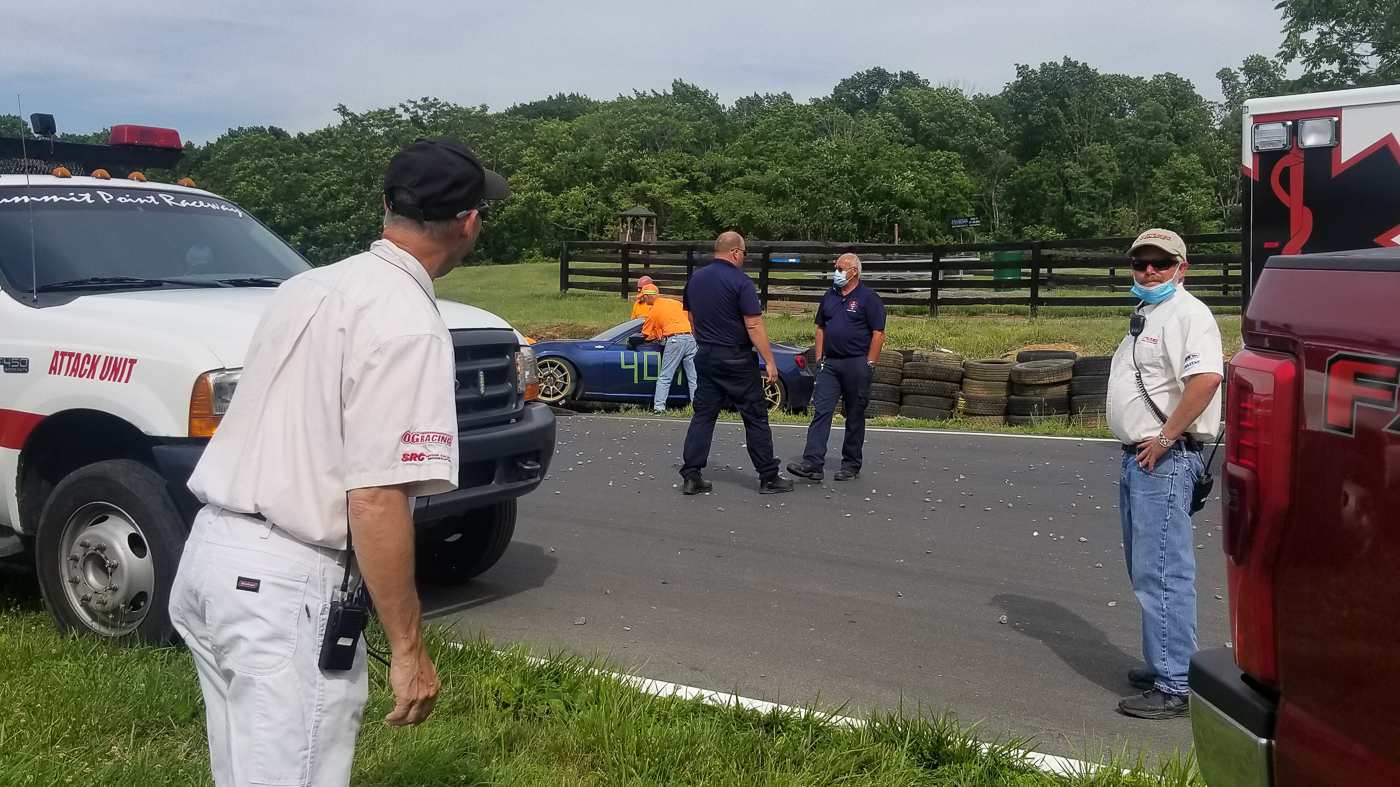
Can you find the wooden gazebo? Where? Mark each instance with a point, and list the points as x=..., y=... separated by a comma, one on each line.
x=636, y=224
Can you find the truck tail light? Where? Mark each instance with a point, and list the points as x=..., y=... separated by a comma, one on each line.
x=1259, y=437
x=213, y=391
x=145, y=137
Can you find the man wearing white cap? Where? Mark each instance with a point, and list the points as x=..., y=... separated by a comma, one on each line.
x=1163, y=405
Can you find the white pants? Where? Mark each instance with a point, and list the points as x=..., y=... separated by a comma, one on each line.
x=251, y=603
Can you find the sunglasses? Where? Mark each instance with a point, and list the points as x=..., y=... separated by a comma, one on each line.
x=1141, y=266
x=481, y=211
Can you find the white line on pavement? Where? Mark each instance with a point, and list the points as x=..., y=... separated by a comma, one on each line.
x=892, y=429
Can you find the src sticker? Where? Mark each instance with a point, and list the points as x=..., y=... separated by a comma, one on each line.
x=1355, y=380
x=15, y=365
x=90, y=366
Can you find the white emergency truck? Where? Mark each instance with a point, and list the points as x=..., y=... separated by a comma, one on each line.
x=126, y=310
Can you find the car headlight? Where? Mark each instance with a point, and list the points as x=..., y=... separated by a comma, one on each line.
x=527, y=372
x=210, y=400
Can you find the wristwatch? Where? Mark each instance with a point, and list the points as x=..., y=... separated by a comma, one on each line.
x=1163, y=440
x=870, y=363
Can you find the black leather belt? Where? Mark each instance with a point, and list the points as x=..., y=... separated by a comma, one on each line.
x=1187, y=443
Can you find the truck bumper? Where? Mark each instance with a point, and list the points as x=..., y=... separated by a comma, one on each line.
x=1232, y=723
x=495, y=463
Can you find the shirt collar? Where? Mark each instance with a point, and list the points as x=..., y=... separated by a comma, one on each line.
x=389, y=252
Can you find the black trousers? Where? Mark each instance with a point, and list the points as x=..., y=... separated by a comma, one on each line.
x=729, y=373
x=848, y=378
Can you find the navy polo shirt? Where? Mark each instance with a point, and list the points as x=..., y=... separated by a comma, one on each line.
x=719, y=296
x=849, y=320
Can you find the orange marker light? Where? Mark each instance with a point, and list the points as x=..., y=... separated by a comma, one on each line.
x=187, y=182
x=136, y=176
x=203, y=421
x=101, y=174
x=62, y=172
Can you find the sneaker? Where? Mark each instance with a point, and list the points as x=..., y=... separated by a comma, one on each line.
x=846, y=475
x=1141, y=678
x=1154, y=704
x=695, y=484
x=658, y=411
x=774, y=485
x=805, y=470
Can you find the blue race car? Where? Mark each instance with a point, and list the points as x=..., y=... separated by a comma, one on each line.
x=619, y=365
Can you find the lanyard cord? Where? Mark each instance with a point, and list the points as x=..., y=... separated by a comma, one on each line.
x=1136, y=330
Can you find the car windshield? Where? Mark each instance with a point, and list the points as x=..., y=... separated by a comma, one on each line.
x=618, y=331
x=101, y=238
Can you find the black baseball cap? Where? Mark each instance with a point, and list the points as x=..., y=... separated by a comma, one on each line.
x=439, y=178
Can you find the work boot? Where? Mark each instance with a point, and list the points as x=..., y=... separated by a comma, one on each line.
x=1154, y=704
x=846, y=475
x=1141, y=678
x=695, y=484
x=774, y=485
x=805, y=470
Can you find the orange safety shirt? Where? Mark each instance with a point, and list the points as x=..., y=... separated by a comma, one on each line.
x=666, y=318
x=639, y=308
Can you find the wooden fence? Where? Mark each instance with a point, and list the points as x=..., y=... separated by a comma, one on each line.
x=1079, y=272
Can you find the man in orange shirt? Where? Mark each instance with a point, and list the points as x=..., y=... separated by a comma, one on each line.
x=640, y=307
x=667, y=322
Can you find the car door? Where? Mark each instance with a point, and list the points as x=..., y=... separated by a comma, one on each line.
x=634, y=367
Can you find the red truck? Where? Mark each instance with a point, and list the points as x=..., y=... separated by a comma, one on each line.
x=1306, y=695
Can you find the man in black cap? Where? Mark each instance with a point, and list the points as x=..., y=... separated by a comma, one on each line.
x=344, y=413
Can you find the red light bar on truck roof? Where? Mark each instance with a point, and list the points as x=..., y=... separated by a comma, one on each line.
x=146, y=137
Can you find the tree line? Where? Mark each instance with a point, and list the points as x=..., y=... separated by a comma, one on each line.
x=1062, y=150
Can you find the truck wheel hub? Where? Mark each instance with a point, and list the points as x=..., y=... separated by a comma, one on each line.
x=108, y=572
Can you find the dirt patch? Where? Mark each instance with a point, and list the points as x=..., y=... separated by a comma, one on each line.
x=552, y=331
x=1060, y=346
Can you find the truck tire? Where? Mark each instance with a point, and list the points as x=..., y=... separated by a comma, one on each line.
x=1043, y=372
x=988, y=370
x=880, y=392
x=1053, y=389
x=1093, y=366
x=984, y=405
x=983, y=388
x=929, y=402
x=109, y=543
x=458, y=548
x=893, y=358
x=917, y=387
x=886, y=375
x=1088, y=386
x=881, y=409
x=1045, y=355
x=924, y=413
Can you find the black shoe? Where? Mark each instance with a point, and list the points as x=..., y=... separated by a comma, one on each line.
x=658, y=411
x=1155, y=704
x=695, y=484
x=774, y=485
x=805, y=470
x=1141, y=678
x=846, y=475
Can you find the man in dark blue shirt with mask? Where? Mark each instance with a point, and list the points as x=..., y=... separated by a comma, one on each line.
x=726, y=320
x=850, y=333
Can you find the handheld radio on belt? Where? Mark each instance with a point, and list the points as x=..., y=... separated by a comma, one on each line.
x=1200, y=491
x=348, y=617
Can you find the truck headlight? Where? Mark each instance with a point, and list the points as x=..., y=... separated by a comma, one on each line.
x=527, y=372
x=210, y=399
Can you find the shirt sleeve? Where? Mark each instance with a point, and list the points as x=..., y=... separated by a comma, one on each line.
x=651, y=327
x=748, y=299
x=399, y=415
x=1201, y=349
x=875, y=314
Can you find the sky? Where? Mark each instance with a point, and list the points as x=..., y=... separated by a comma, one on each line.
x=203, y=67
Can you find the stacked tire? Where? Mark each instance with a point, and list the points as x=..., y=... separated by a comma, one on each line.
x=1088, y=392
x=985, y=390
x=929, y=388
x=1040, y=391
x=885, y=385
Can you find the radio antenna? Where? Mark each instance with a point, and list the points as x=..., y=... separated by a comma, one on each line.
x=29, y=199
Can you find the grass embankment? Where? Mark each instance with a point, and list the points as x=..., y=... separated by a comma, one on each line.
x=83, y=712
x=528, y=296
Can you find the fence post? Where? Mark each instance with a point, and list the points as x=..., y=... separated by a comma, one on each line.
x=564, y=266
x=1224, y=277
x=763, y=264
x=935, y=265
x=689, y=262
x=1035, y=278
x=624, y=289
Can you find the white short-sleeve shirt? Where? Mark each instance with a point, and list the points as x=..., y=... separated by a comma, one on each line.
x=349, y=383
x=1181, y=339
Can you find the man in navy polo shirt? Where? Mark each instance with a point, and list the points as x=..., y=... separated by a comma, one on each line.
x=850, y=333
x=726, y=320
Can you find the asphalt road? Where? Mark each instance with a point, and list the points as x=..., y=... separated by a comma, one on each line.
x=877, y=592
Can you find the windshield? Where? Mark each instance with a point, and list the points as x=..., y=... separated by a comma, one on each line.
x=134, y=237
x=618, y=331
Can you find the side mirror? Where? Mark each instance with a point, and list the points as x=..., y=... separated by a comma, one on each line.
x=636, y=340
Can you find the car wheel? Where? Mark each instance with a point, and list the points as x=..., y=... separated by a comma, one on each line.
x=775, y=393
x=108, y=546
x=558, y=380
x=458, y=548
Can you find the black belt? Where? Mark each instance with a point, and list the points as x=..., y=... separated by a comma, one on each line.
x=1188, y=443
x=678, y=333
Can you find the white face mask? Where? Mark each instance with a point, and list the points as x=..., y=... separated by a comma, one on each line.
x=839, y=278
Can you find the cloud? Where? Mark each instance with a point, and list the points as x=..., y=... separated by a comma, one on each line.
x=205, y=67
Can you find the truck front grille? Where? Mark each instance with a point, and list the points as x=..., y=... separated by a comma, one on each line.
x=486, y=377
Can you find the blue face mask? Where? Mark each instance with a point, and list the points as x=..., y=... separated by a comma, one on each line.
x=1156, y=293
x=839, y=278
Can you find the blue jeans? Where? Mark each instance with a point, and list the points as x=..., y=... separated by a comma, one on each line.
x=679, y=349
x=1159, y=548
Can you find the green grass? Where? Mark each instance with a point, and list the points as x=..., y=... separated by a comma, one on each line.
x=80, y=711
x=528, y=297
